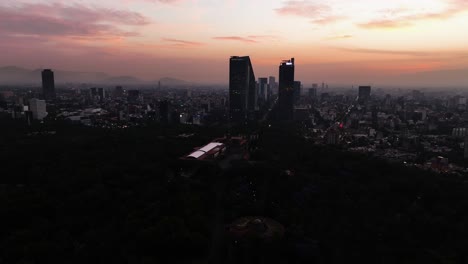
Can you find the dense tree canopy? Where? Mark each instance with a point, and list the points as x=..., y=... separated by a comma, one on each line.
x=85, y=195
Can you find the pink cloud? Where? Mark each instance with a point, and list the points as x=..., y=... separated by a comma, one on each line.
x=64, y=20
x=303, y=8
x=182, y=43
x=317, y=13
x=389, y=23
x=237, y=38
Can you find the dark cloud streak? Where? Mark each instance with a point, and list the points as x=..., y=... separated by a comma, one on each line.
x=182, y=43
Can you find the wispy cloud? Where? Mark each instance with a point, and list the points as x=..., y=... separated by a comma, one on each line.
x=303, y=8
x=237, y=38
x=386, y=23
x=263, y=37
x=317, y=13
x=339, y=37
x=388, y=52
x=181, y=43
x=399, y=18
x=67, y=20
x=250, y=38
x=327, y=20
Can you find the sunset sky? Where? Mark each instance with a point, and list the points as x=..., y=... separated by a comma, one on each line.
x=333, y=40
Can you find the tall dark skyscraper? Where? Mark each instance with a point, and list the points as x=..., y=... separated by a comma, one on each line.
x=48, y=84
x=242, y=88
x=364, y=93
x=286, y=90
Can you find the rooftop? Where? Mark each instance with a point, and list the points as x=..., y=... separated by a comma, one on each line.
x=203, y=152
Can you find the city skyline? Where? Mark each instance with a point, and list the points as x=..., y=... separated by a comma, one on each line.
x=336, y=41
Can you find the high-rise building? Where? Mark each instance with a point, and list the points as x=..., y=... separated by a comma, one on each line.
x=48, y=84
x=286, y=90
x=38, y=108
x=364, y=93
x=242, y=88
x=263, y=89
x=297, y=91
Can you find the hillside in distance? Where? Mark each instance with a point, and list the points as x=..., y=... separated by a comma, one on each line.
x=17, y=75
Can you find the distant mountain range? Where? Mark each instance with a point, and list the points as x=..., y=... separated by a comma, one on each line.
x=17, y=75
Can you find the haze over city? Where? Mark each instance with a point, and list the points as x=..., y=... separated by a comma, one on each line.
x=344, y=42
